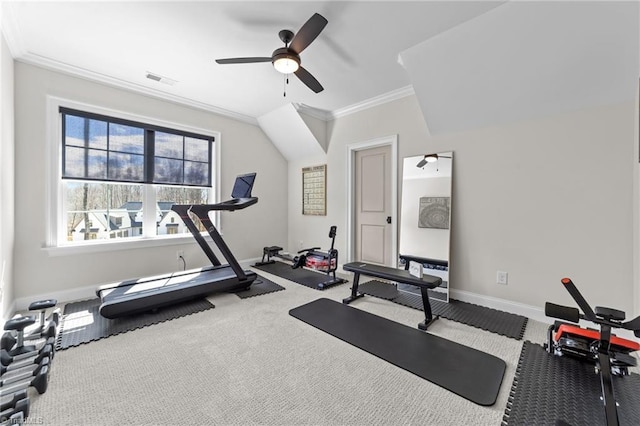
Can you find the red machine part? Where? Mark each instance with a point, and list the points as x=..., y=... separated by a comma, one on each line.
x=624, y=345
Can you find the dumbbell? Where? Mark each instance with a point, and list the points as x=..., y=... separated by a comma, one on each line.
x=23, y=374
x=10, y=338
x=15, y=416
x=39, y=382
x=9, y=401
x=14, y=409
x=44, y=323
x=15, y=346
x=8, y=362
x=18, y=325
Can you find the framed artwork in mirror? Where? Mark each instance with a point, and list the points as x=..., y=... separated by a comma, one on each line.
x=434, y=212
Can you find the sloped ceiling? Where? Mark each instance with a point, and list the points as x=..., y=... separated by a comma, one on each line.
x=290, y=133
x=524, y=60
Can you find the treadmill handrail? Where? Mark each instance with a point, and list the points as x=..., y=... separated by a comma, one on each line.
x=202, y=212
x=228, y=205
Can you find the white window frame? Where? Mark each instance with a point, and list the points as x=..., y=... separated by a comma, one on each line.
x=56, y=239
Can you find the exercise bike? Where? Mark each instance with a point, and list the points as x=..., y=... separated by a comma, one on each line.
x=611, y=355
x=310, y=258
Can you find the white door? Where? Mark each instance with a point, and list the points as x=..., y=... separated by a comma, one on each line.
x=373, y=221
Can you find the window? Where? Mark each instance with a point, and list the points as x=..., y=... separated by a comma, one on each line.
x=120, y=175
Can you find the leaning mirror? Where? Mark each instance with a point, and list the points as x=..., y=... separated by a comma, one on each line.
x=425, y=218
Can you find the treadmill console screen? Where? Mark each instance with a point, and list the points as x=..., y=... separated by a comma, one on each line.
x=243, y=186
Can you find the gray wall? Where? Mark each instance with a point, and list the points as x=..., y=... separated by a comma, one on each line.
x=7, y=199
x=244, y=148
x=540, y=199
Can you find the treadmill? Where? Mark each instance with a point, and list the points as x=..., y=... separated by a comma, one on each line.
x=145, y=294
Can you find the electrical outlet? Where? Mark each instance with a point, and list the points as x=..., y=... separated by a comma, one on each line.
x=179, y=254
x=502, y=277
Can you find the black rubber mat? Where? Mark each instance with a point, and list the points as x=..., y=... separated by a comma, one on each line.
x=259, y=287
x=465, y=371
x=82, y=323
x=548, y=388
x=307, y=278
x=493, y=320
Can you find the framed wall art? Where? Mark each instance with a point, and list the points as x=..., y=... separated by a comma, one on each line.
x=314, y=190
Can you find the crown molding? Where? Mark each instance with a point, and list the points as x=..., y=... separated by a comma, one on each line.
x=44, y=62
x=320, y=114
x=10, y=30
x=372, y=102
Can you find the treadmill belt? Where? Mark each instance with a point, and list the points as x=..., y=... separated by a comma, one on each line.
x=548, y=388
x=492, y=320
x=307, y=278
x=465, y=371
x=259, y=287
x=82, y=323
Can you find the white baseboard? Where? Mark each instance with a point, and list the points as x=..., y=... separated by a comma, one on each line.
x=533, y=312
x=528, y=311
x=62, y=296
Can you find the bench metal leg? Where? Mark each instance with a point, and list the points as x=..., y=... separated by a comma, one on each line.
x=427, y=310
x=354, y=290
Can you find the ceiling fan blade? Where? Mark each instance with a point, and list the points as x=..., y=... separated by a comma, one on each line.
x=243, y=60
x=311, y=82
x=308, y=32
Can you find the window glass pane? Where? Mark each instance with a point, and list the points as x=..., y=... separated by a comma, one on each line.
x=126, y=167
x=97, y=134
x=101, y=211
x=168, y=145
x=196, y=173
x=97, y=162
x=74, y=162
x=170, y=222
x=74, y=130
x=126, y=139
x=75, y=158
x=168, y=171
x=196, y=149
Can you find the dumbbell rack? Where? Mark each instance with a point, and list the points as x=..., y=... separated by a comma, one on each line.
x=26, y=355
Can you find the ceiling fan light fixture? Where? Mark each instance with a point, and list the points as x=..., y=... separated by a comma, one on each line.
x=286, y=64
x=432, y=158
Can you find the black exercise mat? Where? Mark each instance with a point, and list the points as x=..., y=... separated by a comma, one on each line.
x=547, y=388
x=302, y=276
x=259, y=287
x=493, y=320
x=465, y=371
x=82, y=323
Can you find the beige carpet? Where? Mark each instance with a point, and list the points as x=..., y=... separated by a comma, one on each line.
x=249, y=362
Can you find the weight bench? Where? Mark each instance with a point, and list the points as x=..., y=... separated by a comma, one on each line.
x=398, y=275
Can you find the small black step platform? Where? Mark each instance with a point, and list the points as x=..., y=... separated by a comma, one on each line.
x=465, y=371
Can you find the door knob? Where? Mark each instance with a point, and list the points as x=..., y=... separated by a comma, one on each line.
x=388, y=219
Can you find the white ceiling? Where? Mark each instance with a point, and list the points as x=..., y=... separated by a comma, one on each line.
x=355, y=58
x=527, y=60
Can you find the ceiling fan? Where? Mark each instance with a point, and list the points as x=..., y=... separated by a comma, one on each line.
x=287, y=59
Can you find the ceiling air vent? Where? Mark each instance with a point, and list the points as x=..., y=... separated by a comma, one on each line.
x=161, y=79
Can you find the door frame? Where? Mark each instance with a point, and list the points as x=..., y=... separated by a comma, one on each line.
x=391, y=141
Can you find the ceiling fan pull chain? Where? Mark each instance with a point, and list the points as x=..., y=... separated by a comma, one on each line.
x=284, y=87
